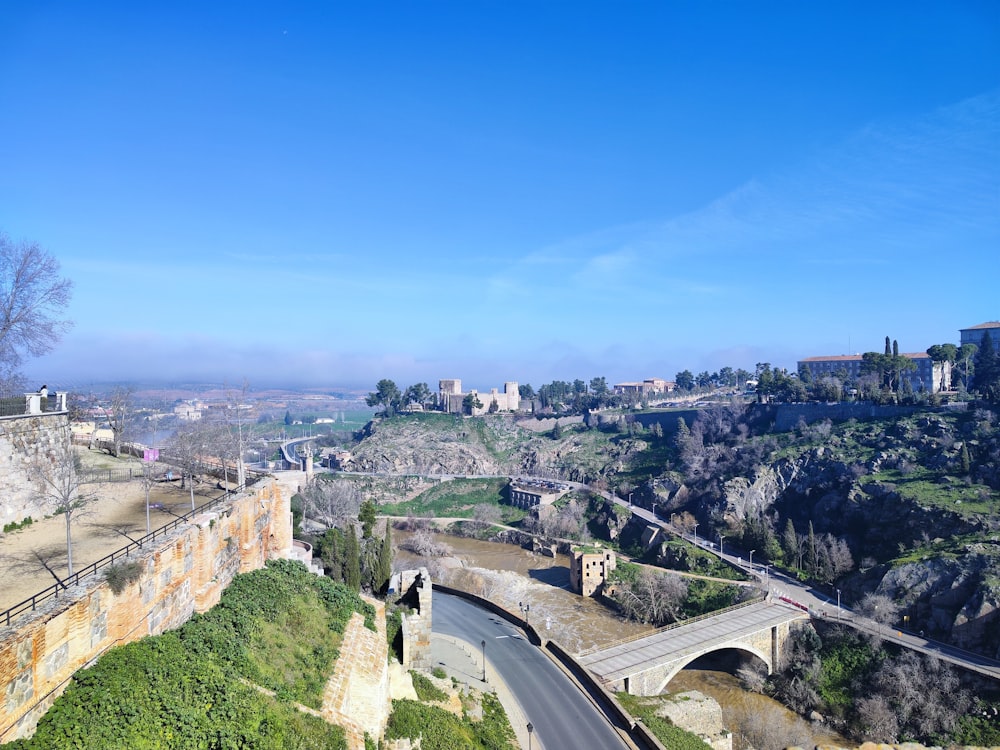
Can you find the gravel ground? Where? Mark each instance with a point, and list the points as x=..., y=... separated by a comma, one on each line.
x=117, y=505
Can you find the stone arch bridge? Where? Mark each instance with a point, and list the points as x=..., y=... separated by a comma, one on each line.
x=644, y=665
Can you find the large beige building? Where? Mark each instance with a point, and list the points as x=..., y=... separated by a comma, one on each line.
x=451, y=396
x=974, y=335
x=929, y=375
x=647, y=387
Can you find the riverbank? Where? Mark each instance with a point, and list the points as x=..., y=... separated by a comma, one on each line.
x=515, y=578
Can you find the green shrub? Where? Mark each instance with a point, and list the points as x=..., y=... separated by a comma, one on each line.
x=121, y=575
x=427, y=690
x=17, y=525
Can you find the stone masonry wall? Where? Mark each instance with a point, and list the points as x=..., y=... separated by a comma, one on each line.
x=357, y=695
x=183, y=573
x=24, y=443
x=417, y=590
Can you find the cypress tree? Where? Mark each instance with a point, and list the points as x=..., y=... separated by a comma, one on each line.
x=352, y=559
x=790, y=542
x=811, y=551
x=966, y=459
x=384, y=569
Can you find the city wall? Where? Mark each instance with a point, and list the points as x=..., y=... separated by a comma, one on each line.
x=28, y=443
x=182, y=573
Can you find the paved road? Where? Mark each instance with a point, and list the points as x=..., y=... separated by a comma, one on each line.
x=562, y=716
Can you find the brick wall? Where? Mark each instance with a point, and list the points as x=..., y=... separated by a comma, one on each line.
x=183, y=573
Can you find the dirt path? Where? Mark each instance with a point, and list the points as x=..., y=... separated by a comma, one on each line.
x=117, y=505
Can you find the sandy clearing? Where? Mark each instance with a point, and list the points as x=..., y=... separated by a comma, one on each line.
x=120, y=505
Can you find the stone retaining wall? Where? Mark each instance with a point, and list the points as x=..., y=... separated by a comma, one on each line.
x=183, y=573
x=357, y=694
x=25, y=443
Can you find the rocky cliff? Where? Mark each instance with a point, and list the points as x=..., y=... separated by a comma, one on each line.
x=494, y=445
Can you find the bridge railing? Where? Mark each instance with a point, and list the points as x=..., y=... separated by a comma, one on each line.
x=672, y=626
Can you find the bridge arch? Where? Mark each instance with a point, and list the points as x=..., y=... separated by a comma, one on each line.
x=741, y=648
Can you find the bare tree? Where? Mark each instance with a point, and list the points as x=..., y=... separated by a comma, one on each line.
x=32, y=299
x=331, y=502
x=59, y=482
x=652, y=597
x=878, y=719
x=119, y=412
x=188, y=447
x=423, y=543
x=485, y=516
x=878, y=608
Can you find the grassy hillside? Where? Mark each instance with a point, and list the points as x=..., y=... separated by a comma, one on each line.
x=278, y=628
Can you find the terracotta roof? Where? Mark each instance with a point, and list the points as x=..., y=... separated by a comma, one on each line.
x=991, y=324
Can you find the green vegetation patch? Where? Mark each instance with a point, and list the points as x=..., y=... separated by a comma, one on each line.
x=440, y=730
x=645, y=708
x=278, y=628
x=426, y=689
x=457, y=498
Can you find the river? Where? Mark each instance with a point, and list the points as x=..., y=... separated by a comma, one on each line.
x=538, y=586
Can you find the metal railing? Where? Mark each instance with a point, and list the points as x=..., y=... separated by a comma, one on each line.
x=32, y=603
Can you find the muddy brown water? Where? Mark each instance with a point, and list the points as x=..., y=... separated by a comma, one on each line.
x=515, y=578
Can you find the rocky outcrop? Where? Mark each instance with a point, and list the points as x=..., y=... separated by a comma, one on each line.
x=494, y=445
x=952, y=599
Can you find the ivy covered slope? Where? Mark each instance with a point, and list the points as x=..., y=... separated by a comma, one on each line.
x=278, y=628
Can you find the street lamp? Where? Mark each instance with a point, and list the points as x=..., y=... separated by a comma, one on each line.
x=484, y=660
x=721, y=551
x=696, y=533
x=838, y=605
x=525, y=609
x=751, y=559
x=530, y=730
x=630, y=499
x=767, y=575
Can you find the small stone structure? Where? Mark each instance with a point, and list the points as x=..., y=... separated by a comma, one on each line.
x=696, y=712
x=588, y=571
x=416, y=589
x=531, y=493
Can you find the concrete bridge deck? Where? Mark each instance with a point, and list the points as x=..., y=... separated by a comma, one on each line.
x=656, y=657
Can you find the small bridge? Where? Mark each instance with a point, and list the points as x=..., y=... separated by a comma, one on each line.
x=644, y=665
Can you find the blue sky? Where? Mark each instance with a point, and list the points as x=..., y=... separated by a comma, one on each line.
x=332, y=193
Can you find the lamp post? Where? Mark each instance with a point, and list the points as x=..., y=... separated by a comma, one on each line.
x=484, y=659
x=751, y=559
x=525, y=609
x=696, y=533
x=630, y=499
x=721, y=551
x=838, y=605
x=767, y=575
x=530, y=730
